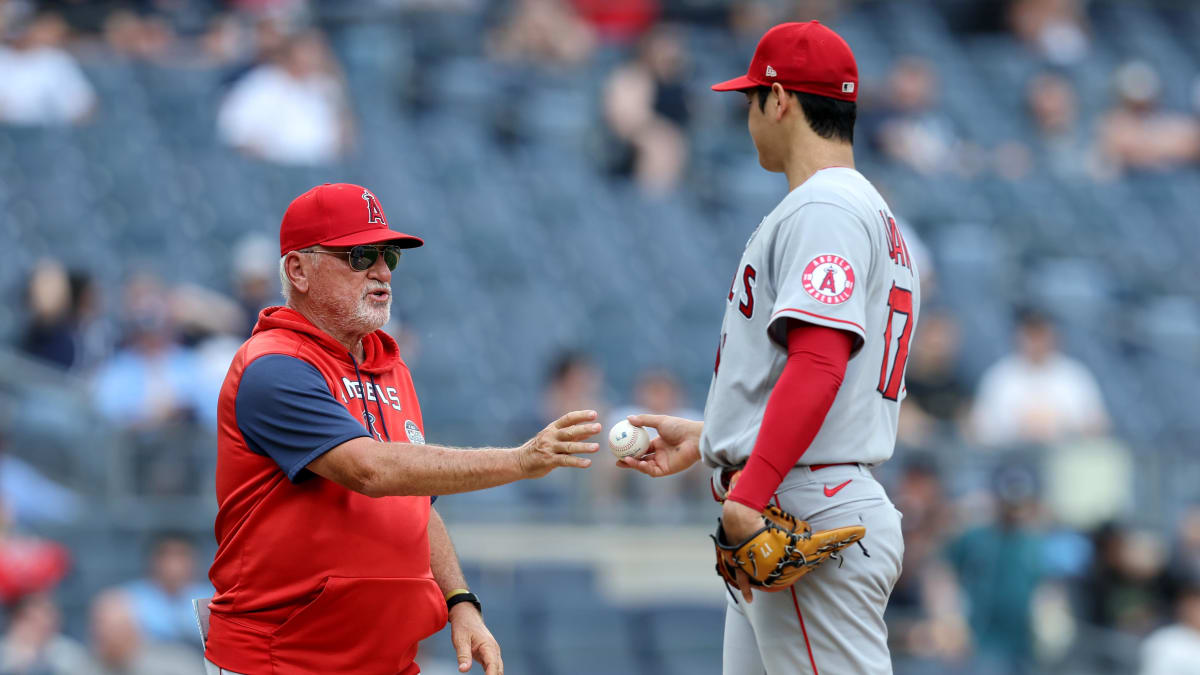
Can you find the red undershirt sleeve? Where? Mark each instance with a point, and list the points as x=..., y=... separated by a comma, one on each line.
x=806, y=389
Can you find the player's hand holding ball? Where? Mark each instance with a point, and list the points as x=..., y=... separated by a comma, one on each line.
x=676, y=447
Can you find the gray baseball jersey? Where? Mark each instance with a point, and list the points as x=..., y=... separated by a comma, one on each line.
x=829, y=254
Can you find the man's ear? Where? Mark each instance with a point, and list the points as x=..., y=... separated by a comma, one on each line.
x=298, y=272
x=783, y=101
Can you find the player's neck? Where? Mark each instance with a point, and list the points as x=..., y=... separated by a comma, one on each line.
x=809, y=158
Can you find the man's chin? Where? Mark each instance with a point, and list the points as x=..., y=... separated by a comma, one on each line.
x=378, y=319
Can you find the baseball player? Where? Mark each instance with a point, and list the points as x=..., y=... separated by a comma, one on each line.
x=809, y=373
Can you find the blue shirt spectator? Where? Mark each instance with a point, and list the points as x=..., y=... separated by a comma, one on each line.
x=162, y=602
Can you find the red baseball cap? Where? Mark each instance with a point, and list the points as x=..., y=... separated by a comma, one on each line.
x=806, y=57
x=338, y=214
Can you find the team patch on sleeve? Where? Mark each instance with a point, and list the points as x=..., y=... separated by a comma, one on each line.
x=829, y=279
x=414, y=433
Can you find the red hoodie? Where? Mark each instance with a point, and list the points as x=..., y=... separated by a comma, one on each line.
x=311, y=577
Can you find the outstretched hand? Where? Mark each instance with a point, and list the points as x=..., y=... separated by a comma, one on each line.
x=558, y=443
x=676, y=448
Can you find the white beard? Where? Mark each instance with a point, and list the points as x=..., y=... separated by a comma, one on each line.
x=366, y=316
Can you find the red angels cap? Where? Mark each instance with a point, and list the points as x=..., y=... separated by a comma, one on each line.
x=338, y=214
x=806, y=57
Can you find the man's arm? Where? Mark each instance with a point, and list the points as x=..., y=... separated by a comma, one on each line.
x=471, y=637
x=285, y=411
x=443, y=560
x=380, y=469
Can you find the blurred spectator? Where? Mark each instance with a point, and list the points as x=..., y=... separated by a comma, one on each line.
x=29, y=498
x=139, y=36
x=1126, y=589
x=646, y=107
x=1037, y=394
x=95, y=334
x=1063, y=145
x=40, y=83
x=1137, y=134
x=227, y=40
x=545, y=33
x=244, y=48
x=1054, y=29
x=50, y=335
x=1185, y=556
x=911, y=130
x=290, y=111
x=656, y=392
x=118, y=647
x=999, y=567
x=255, y=278
x=925, y=619
x=28, y=564
x=619, y=21
x=33, y=645
x=1175, y=649
x=938, y=395
x=572, y=383
x=161, y=602
x=152, y=381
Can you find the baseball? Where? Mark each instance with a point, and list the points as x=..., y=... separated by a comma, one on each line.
x=626, y=440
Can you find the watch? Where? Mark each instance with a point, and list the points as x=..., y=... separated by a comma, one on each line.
x=463, y=595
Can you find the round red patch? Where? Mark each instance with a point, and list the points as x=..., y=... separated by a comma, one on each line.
x=829, y=279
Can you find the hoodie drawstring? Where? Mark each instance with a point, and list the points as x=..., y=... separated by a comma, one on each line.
x=363, y=388
x=379, y=407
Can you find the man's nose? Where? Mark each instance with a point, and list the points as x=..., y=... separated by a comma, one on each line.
x=379, y=271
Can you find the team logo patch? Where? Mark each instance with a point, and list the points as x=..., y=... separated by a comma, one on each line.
x=829, y=279
x=414, y=432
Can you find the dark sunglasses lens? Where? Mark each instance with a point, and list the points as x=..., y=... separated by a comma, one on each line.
x=362, y=257
x=391, y=257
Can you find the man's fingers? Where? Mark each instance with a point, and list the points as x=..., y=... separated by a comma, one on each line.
x=574, y=417
x=489, y=657
x=647, y=419
x=574, y=433
x=649, y=468
x=575, y=448
x=572, y=460
x=462, y=646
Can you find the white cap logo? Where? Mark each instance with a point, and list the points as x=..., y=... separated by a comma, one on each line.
x=847, y=87
x=771, y=72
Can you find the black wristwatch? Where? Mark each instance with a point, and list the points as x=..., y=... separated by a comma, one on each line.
x=463, y=596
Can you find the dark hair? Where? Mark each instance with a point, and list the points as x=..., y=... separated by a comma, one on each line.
x=1032, y=317
x=163, y=537
x=829, y=117
x=565, y=362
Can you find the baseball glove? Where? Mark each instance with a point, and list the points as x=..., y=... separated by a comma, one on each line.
x=785, y=549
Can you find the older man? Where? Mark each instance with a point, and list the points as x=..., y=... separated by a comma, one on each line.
x=331, y=558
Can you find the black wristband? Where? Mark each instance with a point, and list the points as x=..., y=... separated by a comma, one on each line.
x=464, y=597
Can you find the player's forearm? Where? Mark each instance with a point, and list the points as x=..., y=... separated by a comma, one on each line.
x=407, y=469
x=443, y=561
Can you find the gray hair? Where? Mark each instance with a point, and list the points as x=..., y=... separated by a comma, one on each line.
x=285, y=284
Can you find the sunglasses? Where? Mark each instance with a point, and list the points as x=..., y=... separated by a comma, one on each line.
x=361, y=258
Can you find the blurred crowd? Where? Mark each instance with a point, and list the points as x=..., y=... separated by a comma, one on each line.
x=1009, y=565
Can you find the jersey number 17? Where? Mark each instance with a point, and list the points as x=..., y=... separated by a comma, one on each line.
x=900, y=302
